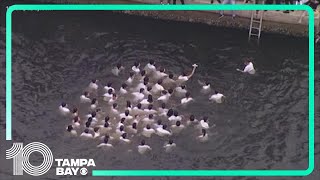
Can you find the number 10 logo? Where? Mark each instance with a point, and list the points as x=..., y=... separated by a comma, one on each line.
x=20, y=156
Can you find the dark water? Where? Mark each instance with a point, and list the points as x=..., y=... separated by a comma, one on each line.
x=262, y=125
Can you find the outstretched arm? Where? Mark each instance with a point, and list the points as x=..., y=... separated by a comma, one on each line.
x=193, y=70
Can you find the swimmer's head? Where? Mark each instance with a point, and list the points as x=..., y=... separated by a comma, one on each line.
x=150, y=99
x=93, y=114
x=159, y=122
x=170, y=112
x=170, y=91
x=75, y=110
x=109, y=84
x=115, y=105
x=121, y=128
x=178, y=123
x=86, y=93
x=146, y=79
x=76, y=119
x=69, y=128
x=106, y=124
x=95, y=129
x=131, y=74
x=163, y=105
x=134, y=125
x=139, y=106
x=124, y=85
x=205, y=118
x=142, y=143
x=128, y=104
x=119, y=65
x=204, y=132
x=164, y=92
x=159, y=81
x=171, y=76
x=124, y=135
x=188, y=94
x=93, y=80
x=143, y=72
x=192, y=117
x=136, y=64
x=164, y=126
x=151, y=62
x=86, y=130
x=94, y=100
x=183, y=86
x=110, y=91
x=150, y=116
x=141, y=90
x=90, y=119
x=88, y=123
x=107, y=118
x=106, y=139
x=162, y=69
x=175, y=113
x=149, y=88
x=63, y=104
x=126, y=112
x=122, y=120
x=148, y=126
x=170, y=141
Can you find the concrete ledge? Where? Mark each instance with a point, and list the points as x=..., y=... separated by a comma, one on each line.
x=273, y=21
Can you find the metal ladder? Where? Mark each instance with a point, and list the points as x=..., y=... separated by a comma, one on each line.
x=255, y=24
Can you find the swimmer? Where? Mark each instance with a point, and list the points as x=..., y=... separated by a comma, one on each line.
x=147, y=101
x=162, y=111
x=160, y=74
x=107, y=96
x=192, y=120
x=135, y=67
x=148, y=120
x=105, y=129
x=206, y=86
x=121, y=123
x=177, y=128
x=86, y=134
x=175, y=117
x=169, y=81
x=96, y=131
x=93, y=86
x=126, y=115
x=138, y=96
x=113, y=99
x=184, y=77
x=116, y=70
x=109, y=86
x=161, y=131
x=149, y=110
x=169, y=146
x=130, y=79
x=143, y=148
x=84, y=98
x=63, y=108
x=114, y=110
x=249, y=67
x=74, y=112
x=187, y=99
x=71, y=130
x=157, y=87
x=132, y=129
x=119, y=132
x=123, y=138
x=150, y=67
x=94, y=104
x=105, y=145
x=203, y=137
x=76, y=122
x=204, y=123
x=123, y=89
x=164, y=96
x=147, y=131
x=138, y=110
x=217, y=97
x=181, y=90
x=158, y=124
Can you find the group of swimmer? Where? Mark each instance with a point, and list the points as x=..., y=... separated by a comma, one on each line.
x=140, y=108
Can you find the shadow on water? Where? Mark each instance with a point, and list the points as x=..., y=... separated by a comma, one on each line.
x=262, y=125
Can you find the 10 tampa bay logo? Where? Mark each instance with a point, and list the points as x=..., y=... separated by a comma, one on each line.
x=21, y=161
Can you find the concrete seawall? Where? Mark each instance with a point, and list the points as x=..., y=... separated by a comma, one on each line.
x=273, y=21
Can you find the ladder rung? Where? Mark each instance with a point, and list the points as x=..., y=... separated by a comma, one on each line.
x=255, y=28
x=256, y=21
x=253, y=34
